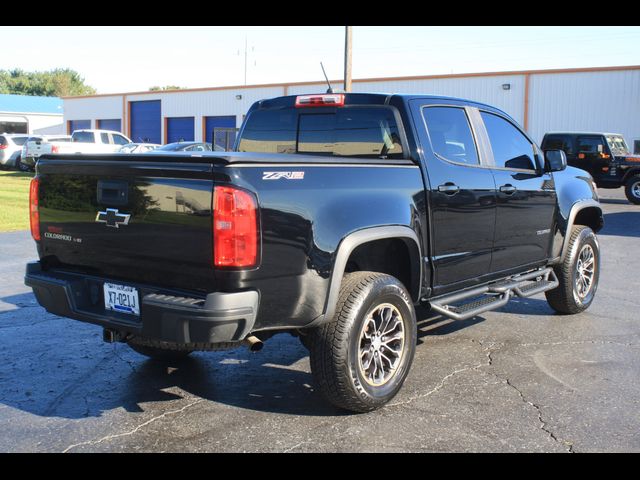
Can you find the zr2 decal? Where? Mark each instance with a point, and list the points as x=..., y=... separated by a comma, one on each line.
x=279, y=175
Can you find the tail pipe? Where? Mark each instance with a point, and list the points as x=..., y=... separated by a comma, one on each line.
x=254, y=343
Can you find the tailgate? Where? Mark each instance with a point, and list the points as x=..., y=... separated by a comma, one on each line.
x=128, y=218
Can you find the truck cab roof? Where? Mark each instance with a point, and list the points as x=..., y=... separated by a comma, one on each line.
x=365, y=99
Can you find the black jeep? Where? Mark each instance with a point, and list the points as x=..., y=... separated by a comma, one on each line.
x=604, y=155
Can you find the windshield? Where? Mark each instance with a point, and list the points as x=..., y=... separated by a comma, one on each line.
x=617, y=145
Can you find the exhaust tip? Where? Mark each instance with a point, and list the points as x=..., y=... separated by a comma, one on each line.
x=254, y=343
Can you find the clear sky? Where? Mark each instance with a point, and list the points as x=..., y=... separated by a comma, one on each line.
x=121, y=59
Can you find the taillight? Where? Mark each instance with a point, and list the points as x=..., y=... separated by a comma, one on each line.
x=54, y=148
x=329, y=100
x=34, y=214
x=2, y=147
x=235, y=228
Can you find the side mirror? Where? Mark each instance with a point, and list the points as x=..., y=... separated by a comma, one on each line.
x=555, y=160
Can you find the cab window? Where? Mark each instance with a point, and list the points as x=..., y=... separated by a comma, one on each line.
x=511, y=149
x=590, y=145
x=450, y=134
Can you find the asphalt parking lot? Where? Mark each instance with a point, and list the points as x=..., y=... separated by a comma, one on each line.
x=517, y=379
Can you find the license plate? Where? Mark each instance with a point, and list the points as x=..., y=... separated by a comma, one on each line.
x=121, y=298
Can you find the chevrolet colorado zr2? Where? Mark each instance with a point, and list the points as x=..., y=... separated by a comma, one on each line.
x=332, y=218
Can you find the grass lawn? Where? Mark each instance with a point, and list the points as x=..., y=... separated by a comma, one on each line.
x=14, y=200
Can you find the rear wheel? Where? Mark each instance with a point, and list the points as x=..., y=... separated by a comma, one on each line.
x=157, y=350
x=578, y=274
x=632, y=189
x=361, y=358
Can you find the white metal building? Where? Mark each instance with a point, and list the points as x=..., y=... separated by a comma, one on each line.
x=585, y=99
x=30, y=114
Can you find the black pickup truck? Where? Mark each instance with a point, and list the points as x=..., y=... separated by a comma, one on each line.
x=335, y=215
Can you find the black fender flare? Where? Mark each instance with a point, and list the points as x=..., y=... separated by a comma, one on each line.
x=630, y=173
x=575, y=209
x=347, y=245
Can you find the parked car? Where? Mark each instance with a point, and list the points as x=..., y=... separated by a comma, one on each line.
x=38, y=145
x=138, y=147
x=92, y=141
x=337, y=214
x=605, y=156
x=186, y=147
x=11, y=148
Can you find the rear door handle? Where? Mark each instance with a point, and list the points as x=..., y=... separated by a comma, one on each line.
x=448, y=188
x=508, y=189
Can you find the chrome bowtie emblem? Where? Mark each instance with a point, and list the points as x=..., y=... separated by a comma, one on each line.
x=113, y=218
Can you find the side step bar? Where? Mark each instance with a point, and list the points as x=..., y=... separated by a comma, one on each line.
x=494, y=295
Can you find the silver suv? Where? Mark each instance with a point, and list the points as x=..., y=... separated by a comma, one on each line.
x=11, y=148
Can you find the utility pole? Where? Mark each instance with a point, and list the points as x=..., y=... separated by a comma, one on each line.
x=347, y=59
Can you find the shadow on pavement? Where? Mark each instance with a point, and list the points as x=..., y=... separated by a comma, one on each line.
x=625, y=224
x=20, y=300
x=56, y=367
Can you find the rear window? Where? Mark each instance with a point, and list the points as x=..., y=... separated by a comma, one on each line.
x=19, y=140
x=344, y=132
x=83, y=137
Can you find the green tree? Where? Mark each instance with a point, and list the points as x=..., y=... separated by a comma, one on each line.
x=59, y=82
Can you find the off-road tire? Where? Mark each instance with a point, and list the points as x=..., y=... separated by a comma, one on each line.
x=629, y=189
x=335, y=346
x=565, y=298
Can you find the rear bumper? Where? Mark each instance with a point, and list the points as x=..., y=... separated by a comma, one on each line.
x=165, y=314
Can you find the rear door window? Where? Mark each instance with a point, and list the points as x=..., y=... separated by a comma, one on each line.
x=450, y=134
x=511, y=149
x=104, y=137
x=367, y=132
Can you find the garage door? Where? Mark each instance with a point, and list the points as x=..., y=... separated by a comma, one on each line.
x=180, y=129
x=145, y=121
x=211, y=123
x=110, y=124
x=79, y=125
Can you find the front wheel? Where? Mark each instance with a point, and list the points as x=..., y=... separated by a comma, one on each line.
x=578, y=274
x=360, y=359
x=632, y=189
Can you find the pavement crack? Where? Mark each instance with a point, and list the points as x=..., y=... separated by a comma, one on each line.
x=544, y=426
x=134, y=430
x=489, y=350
